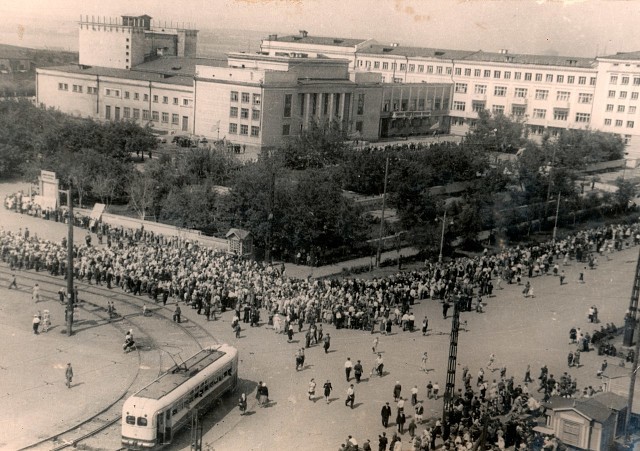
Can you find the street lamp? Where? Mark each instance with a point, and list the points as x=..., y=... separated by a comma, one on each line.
x=555, y=226
x=444, y=223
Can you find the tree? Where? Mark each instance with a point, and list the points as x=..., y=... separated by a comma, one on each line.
x=625, y=194
x=142, y=194
x=322, y=144
x=104, y=186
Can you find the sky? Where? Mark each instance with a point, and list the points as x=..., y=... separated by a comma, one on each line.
x=566, y=27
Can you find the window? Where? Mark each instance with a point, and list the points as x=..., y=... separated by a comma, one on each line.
x=571, y=79
x=618, y=123
x=359, y=126
x=607, y=122
x=632, y=110
x=476, y=72
x=629, y=124
x=92, y=90
x=255, y=131
x=487, y=73
x=107, y=92
x=623, y=94
x=175, y=101
x=467, y=72
x=542, y=94
x=549, y=78
x=611, y=94
x=245, y=97
x=185, y=102
x=77, y=88
x=257, y=99
x=255, y=115
x=244, y=113
x=385, y=66
x=585, y=97
x=613, y=80
x=155, y=99
x=609, y=107
x=521, y=92
x=498, y=109
x=234, y=96
x=233, y=128
x=538, y=77
x=496, y=74
x=582, y=80
x=126, y=112
x=376, y=64
x=563, y=96
x=287, y=105
x=636, y=81
x=518, y=110
x=244, y=129
x=620, y=108
x=507, y=75
x=360, y=107
x=107, y=112
x=458, y=70
x=527, y=76
x=145, y=115
x=583, y=117
x=126, y=94
x=461, y=88
x=131, y=419
x=477, y=106
x=438, y=69
x=481, y=89
x=146, y=97
x=592, y=81
x=136, y=113
x=403, y=67
x=459, y=106
x=175, y=119
x=560, y=114
x=539, y=113
x=448, y=71
x=397, y=80
x=634, y=96
x=559, y=78
x=500, y=91
x=286, y=129
x=136, y=96
x=155, y=116
x=233, y=111
x=517, y=75
x=570, y=433
x=165, y=117
x=165, y=99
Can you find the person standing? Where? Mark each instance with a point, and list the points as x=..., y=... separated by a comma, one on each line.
x=351, y=396
x=419, y=410
x=379, y=365
x=68, y=374
x=348, y=366
x=400, y=421
x=327, y=343
x=13, y=283
x=382, y=442
x=445, y=309
x=436, y=389
x=242, y=403
x=312, y=389
x=425, y=325
x=375, y=344
x=425, y=356
x=385, y=413
x=414, y=395
x=35, y=294
x=327, y=390
x=176, y=314
x=357, y=370
x=35, y=323
x=397, y=390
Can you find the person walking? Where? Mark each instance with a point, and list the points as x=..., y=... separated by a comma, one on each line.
x=327, y=343
x=176, y=314
x=68, y=374
x=35, y=294
x=351, y=396
x=425, y=325
x=242, y=403
x=35, y=323
x=397, y=390
x=385, y=413
x=357, y=370
x=400, y=421
x=348, y=366
x=13, y=283
x=425, y=356
x=327, y=390
x=312, y=389
x=382, y=442
x=375, y=344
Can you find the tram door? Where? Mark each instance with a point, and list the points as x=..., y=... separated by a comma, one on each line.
x=164, y=427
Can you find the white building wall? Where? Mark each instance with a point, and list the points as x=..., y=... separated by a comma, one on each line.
x=107, y=45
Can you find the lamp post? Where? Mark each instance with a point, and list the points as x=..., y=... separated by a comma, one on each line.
x=70, y=296
x=384, y=199
x=444, y=222
x=555, y=225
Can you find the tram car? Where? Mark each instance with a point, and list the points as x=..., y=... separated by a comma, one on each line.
x=151, y=417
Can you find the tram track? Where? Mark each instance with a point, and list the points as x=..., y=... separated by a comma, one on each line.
x=130, y=309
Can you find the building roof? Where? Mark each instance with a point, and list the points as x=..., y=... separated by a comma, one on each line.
x=241, y=234
x=319, y=40
x=598, y=408
x=539, y=60
x=123, y=73
x=413, y=52
x=176, y=65
x=625, y=56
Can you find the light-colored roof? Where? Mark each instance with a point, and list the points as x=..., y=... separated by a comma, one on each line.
x=242, y=234
x=597, y=408
x=320, y=40
x=176, y=65
x=123, y=73
x=625, y=56
x=539, y=60
x=413, y=52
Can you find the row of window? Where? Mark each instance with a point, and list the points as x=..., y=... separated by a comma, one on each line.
x=110, y=92
x=619, y=122
x=134, y=113
x=246, y=97
x=559, y=114
x=622, y=95
x=485, y=73
x=244, y=129
x=321, y=103
x=200, y=390
x=624, y=80
x=244, y=113
x=435, y=103
x=621, y=108
x=540, y=94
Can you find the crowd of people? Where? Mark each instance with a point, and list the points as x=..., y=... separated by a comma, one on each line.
x=168, y=268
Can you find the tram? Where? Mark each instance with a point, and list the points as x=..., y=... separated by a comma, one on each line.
x=151, y=417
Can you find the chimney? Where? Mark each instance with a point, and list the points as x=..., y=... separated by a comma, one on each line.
x=303, y=33
x=504, y=51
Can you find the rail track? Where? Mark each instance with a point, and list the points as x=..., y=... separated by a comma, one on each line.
x=129, y=308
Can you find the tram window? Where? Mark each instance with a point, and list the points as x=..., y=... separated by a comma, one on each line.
x=131, y=419
x=142, y=421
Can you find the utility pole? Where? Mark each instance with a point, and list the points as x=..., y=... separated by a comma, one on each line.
x=444, y=223
x=449, y=389
x=630, y=325
x=546, y=204
x=272, y=195
x=70, y=296
x=384, y=199
x=555, y=226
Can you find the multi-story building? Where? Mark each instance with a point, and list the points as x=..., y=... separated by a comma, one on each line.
x=548, y=93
